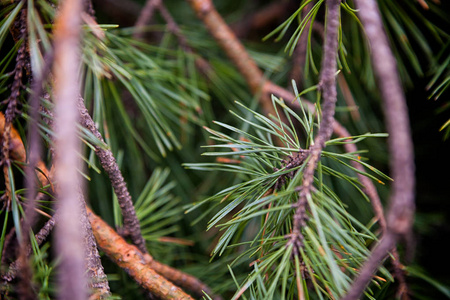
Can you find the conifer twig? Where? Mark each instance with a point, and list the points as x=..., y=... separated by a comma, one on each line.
x=132, y=227
x=328, y=87
x=258, y=84
x=401, y=204
x=98, y=281
x=144, y=17
x=133, y=261
x=107, y=159
x=34, y=154
x=68, y=239
x=182, y=279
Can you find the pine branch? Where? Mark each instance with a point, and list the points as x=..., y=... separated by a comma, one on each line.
x=68, y=239
x=145, y=17
x=340, y=131
x=133, y=261
x=98, y=281
x=401, y=206
x=109, y=164
x=329, y=95
x=301, y=50
x=182, y=279
x=185, y=280
x=247, y=67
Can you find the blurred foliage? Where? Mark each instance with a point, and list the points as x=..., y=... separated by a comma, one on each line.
x=156, y=110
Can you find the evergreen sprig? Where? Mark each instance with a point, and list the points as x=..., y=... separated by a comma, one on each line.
x=262, y=202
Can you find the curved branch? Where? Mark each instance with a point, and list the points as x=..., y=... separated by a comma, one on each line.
x=144, y=17
x=401, y=207
x=109, y=164
x=329, y=95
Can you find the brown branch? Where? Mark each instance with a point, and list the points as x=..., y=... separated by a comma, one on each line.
x=133, y=261
x=348, y=97
x=329, y=95
x=145, y=17
x=109, y=164
x=98, y=281
x=151, y=5
x=44, y=232
x=68, y=238
x=379, y=253
x=258, y=84
x=300, y=52
x=401, y=204
x=182, y=279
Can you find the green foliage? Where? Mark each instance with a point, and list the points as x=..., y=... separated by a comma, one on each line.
x=334, y=241
x=150, y=102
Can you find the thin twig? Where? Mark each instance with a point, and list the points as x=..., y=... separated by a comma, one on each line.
x=328, y=86
x=401, y=203
x=98, y=282
x=109, y=164
x=182, y=279
x=44, y=232
x=34, y=154
x=300, y=52
x=379, y=253
x=145, y=17
x=227, y=40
